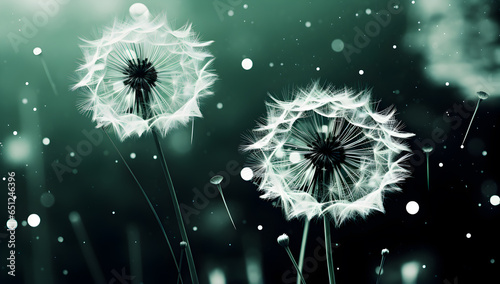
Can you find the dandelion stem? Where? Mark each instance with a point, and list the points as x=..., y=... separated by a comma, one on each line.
x=303, y=246
x=177, y=210
x=473, y=115
x=48, y=76
x=86, y=247
x=380, y=268
x=192, y=132
x=146, y=197
x=287, y=249
x=427, y=158
x=328, y=247
x=385, y=252
x=225, y=204
x=179, y=278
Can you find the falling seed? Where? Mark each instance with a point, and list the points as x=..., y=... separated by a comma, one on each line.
x=216, y=180
x=37, y=51
x=481, y=96
x=427, y=149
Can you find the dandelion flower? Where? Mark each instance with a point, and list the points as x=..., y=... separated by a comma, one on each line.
x=142, y=74
x=328, y=153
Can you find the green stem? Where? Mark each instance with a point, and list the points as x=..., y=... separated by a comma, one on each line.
x=303, y=246
x=179, y=278
x=427, y=158
x=295, y=264
x=380, y=268
x=177, y=210
x=146, y=197
x=328, y=247
x=473, y=115
x=225, y=204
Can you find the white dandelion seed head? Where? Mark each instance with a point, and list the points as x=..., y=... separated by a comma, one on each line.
x=143, y=74
x=328, y=152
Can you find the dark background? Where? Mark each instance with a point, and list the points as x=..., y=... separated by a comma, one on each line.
x=434, y=238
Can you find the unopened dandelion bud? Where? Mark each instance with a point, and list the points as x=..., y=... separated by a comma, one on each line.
x=385, y=252
x=283, y=240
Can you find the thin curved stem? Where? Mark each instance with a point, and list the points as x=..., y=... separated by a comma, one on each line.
x=473, y=115
x=225, y=204
x=328, y=247
x=177, y=210
x=147, y=199
x=427, y=158
x=303, y=246
x=380, y=268
x=295, y=264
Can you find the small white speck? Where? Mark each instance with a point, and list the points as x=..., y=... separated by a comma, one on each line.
x=485, y=153
x=46, y=141
x=245, y=6
x=394, y=47
x=440, y=165
x=271, y=64
x=468, y=235
x=308, y=24
x=230, y=13
x=368, y=11
x=195, y=228
x=155, y=157
x=259, y=227
x=34, y=109
x=220, y=105
x=132, y=155
x=447, y=84
x=27, y=83
x=361, y=72
x=14, y=132
x=317, y=68
x=25, y=101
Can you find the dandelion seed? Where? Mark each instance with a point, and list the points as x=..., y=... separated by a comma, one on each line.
x=481, y=97
x=427, y=150
x=216, y=180
x=384, y=253
x=284, y=240
x=37, y=51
